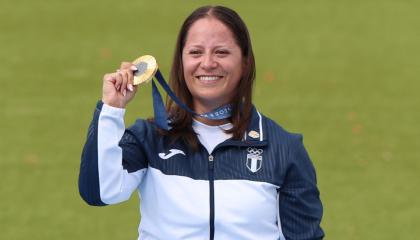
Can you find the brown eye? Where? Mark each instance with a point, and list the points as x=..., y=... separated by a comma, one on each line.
x=194, y=52
x=222, y=52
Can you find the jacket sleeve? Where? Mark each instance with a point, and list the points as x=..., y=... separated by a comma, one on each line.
x=299, y=203
x=113, y=163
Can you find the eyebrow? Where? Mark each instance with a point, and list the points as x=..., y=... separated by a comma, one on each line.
x=201, y=46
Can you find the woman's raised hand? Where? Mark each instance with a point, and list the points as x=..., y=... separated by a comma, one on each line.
x=118, y=88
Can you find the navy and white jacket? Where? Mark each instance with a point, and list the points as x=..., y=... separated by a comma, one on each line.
x=263, y=187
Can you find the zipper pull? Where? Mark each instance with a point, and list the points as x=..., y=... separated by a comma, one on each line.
x=211, y=162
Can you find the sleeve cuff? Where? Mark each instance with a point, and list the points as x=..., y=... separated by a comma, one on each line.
x=113, y=111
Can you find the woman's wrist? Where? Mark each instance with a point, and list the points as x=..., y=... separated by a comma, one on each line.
x=115, y=104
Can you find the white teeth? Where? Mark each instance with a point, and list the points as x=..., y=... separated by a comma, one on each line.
x=208, y=78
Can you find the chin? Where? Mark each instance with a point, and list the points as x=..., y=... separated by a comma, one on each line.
x=211, y=100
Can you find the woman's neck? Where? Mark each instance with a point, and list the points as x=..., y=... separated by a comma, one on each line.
x=201, y=108
x=211, y=122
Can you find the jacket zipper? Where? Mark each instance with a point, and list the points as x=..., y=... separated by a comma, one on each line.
x=211, y=182
x=211, y=176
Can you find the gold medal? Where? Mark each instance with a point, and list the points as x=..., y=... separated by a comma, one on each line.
x=146, y=69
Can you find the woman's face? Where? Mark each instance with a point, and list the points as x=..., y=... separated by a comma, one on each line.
x=212, y=62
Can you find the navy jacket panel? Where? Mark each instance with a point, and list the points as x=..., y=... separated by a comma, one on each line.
x=299, y=199
x=134, y=155
x=190, y=164
x=137, y=143
x=299, y=203
x=89, y=176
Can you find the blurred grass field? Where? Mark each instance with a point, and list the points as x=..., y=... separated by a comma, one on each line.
x=343, y=73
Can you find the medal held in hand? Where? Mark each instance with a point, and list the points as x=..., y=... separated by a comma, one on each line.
x=147, y=68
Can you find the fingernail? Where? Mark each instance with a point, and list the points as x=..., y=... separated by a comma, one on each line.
x=124, y=92
x=118, y=70
x=134, y=68
x=130, y=87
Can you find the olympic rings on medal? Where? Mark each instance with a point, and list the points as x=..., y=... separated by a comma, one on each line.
x=255, y=151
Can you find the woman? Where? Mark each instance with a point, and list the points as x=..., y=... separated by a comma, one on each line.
x=242, y=177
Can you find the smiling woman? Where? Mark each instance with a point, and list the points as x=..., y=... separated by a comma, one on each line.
x=240, y=177
x=212, y=64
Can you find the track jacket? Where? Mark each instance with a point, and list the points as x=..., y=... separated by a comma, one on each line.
x=263, y=187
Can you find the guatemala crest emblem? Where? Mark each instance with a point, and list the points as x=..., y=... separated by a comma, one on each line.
x=254, y=159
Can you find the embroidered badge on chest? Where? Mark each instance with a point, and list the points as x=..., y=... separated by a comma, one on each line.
x=254, y=159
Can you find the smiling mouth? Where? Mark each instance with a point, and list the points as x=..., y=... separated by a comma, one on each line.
x=209, y=77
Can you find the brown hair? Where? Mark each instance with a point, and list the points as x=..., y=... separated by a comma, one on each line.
x=241, y=101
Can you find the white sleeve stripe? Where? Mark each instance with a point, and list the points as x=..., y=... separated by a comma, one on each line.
x=260, y=126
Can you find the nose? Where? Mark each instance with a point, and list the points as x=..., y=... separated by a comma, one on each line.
x=208, y=62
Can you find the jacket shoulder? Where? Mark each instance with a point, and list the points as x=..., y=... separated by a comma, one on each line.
x=275, y=132
x=143, y=130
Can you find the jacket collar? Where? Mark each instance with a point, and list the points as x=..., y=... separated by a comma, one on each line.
x=255, y=131
x=254, y=136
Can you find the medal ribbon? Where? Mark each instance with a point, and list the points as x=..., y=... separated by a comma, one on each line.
x=161, y=116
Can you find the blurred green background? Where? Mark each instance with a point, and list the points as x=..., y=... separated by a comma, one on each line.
x=343, y=73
